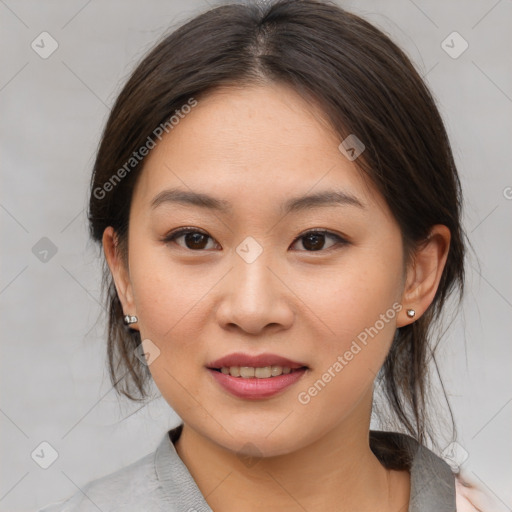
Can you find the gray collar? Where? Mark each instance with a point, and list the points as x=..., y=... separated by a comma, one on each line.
x=432, y=481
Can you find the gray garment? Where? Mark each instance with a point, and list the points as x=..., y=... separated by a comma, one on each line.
x=160, y=482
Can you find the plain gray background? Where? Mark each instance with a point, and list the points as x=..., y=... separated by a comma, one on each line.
x=54, y=385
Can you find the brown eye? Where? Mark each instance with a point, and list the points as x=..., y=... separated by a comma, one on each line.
x=314, y=241
x=193, y=239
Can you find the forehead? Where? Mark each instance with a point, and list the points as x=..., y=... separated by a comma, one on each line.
x=254, y=145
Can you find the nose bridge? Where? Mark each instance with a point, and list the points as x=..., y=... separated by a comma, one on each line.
x=254, y=297
x=251, y=274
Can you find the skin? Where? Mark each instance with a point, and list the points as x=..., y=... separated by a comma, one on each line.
x=257, y=147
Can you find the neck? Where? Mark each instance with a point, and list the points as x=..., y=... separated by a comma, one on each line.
x=337, y=472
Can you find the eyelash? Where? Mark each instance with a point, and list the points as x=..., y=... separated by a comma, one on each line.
x=340, y=241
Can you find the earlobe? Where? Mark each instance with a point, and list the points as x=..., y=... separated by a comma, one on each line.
x=118, y=270
x=424, y=274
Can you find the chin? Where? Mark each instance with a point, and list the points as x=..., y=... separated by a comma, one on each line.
x=255, y=441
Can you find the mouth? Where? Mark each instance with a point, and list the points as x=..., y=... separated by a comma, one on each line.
x=256, y=377
x=256, y=362
x=263, y=372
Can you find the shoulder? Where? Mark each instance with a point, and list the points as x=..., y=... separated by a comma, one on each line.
x=465, y=497
x=468, y=494
x=472, y=496
x=435, y=481
x=133, y=486
x=158, y=482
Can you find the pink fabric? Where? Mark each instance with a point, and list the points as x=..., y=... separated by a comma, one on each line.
x=472, y=496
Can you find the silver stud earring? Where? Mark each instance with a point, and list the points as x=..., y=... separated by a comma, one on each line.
x=129, y=319
x=411, y=313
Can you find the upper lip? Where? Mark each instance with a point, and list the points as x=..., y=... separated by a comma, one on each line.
x=254, y=361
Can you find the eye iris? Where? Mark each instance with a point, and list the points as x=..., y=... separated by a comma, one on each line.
x=317, y=240
x=195, y=240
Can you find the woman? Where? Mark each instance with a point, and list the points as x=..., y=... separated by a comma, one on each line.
x=279, y=211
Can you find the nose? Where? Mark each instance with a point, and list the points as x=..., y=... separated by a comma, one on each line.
x=255, y=297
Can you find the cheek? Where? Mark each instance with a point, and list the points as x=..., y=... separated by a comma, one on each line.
x=163, y=291
x=354, y=297
x=165, y=304
x=170, y=313
x=358, y=307
x=349, y=361
x=169, y=316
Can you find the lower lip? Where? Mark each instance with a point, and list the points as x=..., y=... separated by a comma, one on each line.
x=254, y=388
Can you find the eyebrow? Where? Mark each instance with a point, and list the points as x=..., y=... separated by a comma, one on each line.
x=302, y=203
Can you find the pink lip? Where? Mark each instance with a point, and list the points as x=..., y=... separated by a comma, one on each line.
x=254, y=388
x=259, y=361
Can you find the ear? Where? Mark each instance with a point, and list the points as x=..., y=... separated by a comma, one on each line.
x=424, y=273
x=119, y=272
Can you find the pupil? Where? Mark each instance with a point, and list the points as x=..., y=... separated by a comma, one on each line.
x=195, y=239
x=317, y=241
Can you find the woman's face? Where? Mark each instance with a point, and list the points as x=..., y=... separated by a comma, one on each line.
x=253, y=279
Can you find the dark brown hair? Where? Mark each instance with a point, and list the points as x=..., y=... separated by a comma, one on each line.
x=363, y=83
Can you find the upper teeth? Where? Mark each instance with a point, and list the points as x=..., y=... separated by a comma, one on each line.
x=248, y=372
